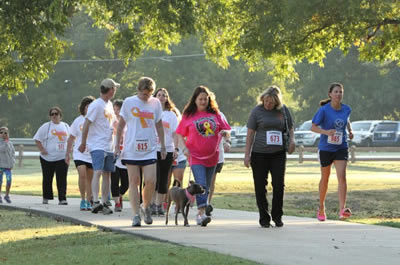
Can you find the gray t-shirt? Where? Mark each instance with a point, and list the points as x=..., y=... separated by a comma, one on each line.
x=261, y=121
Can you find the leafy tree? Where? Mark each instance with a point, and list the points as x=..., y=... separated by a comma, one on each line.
x=370, y=89
x=29, y=40
x=284, y=32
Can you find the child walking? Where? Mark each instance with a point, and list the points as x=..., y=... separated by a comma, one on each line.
x=7, y=160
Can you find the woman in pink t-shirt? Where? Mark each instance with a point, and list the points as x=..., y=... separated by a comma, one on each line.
x=200, y=130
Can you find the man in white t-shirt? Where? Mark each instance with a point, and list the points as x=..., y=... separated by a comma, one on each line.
x=98, y=133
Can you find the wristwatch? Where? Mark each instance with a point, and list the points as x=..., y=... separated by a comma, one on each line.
x=177, y=149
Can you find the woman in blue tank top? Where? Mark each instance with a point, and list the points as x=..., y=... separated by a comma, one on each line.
x=331, y=121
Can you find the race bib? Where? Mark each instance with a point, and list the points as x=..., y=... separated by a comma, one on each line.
x=142, y=145
x=274, y=138
x=60, y=147
x=337, y=138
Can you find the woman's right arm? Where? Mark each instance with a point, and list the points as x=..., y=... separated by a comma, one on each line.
x=317, y=129
x=249, y=144
x=42, y=150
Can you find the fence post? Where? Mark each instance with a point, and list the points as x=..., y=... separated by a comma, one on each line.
x=353, y=154
x=301, y=154
x=20, y=155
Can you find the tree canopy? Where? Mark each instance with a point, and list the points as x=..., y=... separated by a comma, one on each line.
x=280, y=32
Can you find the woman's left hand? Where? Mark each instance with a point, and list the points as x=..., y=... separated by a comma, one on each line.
x=292, y=147
x=227, y=147
x=351, y=135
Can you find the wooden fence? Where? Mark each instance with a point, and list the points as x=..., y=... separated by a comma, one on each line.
x=26, y=148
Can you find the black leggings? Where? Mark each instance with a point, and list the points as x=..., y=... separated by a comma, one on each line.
x=261, y=165
x=163, y=167
x=119, y=174
x=48, y=169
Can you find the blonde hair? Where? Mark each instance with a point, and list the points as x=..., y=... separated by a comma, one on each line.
x=146, y=83
x=275, y=93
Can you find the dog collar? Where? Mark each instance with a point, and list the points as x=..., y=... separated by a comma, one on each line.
x=190, y=197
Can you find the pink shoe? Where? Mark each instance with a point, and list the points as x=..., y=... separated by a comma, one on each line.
x=321, y=217
x=344, y=213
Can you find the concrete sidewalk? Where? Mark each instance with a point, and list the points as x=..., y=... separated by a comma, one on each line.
x=237, y=233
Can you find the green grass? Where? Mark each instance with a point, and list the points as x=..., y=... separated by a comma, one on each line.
x=373, y=189
x=373, y=195
x=30, y=239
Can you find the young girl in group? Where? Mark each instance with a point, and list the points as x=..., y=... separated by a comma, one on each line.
x=7, y=161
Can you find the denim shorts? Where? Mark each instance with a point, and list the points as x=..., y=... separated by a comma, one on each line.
x=181, y=165
x=102, y=160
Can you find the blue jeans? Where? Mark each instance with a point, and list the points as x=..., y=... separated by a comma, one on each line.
x=203, y=175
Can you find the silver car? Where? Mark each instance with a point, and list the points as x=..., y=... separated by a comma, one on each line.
x=304, y=136
x=363, y=132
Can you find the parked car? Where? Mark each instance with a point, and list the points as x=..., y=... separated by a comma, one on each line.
x=304, y=136
x=238, y=136
x=363, y=132
x=387, y=133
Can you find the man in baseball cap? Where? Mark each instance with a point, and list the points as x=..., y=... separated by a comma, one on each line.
x=97, y=138
x=109, y=83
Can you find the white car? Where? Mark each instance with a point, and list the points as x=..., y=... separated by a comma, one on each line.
x=363, y=132
x=304, y=136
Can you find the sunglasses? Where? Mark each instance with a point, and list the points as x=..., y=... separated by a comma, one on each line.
x=3, y=132
x=54, y=114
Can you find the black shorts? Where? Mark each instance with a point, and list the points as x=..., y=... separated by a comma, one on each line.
x=138, y=162
x=80, y=163
x=326, y=158
x=218, y=168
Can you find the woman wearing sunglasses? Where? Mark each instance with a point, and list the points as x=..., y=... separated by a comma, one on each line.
x=51, y=139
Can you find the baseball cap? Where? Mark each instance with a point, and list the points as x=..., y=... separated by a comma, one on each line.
x=109, y=83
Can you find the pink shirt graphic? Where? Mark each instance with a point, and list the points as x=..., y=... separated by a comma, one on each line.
x=202, y=136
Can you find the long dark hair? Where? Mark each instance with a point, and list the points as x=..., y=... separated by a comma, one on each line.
x=191, y=107
x=169, y=104
x=331, y=87
x=84, y=102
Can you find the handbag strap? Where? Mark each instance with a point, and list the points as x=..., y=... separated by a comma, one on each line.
x=285, y=117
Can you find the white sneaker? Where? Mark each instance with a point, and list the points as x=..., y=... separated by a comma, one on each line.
x=203, y=220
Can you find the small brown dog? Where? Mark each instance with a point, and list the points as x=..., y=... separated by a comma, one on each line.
x=182, y=198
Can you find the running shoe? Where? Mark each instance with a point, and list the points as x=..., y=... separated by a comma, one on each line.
x=7, y=199
x=136, y=221
x=63, y=202
x=209, y=209
x=83, y=205
x=118, y=207
x=106, y=210
x=97, y=207
x=147, y=216
x=88, y=206
x=203, y=220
